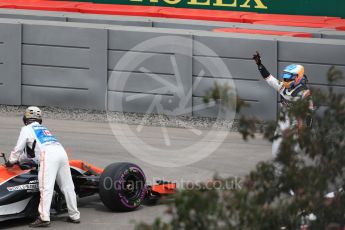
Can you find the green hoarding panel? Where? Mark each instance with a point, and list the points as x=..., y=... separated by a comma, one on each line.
x=301, y=7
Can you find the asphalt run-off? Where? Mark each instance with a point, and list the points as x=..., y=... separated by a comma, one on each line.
x=94, y=142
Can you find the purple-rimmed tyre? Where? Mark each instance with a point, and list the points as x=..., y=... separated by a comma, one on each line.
x=122, y=187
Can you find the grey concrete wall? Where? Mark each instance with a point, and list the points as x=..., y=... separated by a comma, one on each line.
x=10, y=58
x=149, y=71
x=143, y=69
x=64, y=66
x=109, y=19
x=236, y=54
x=32, y=15
x=210, y=25
x=333, y=34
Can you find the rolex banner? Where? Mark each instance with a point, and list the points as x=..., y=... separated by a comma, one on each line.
x=302, y=7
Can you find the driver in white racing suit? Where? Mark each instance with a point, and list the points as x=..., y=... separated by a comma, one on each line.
x=291, y=89
x=53, y=165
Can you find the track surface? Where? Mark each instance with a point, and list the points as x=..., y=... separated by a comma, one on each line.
x=95, y=143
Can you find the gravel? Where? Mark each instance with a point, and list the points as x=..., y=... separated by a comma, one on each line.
x=124, y=118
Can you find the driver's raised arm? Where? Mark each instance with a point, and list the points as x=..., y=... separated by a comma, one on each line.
x=19, y=148
x=270, y=79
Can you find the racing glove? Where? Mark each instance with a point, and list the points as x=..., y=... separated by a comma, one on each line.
x=264, y=72
x=8, y=164
x=309, y=121
x=31, y=151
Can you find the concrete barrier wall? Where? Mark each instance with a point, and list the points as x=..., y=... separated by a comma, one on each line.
x=149, y=71
x=333, y=34
x=236, y=54
x=142, y=69
x=64, y=66
x=10, y=58
x=32, y=15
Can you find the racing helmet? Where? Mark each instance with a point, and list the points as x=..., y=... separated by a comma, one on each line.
x=32, y=114
x=293, y=75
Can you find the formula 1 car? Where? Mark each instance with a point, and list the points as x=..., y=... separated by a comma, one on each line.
x=121, y=187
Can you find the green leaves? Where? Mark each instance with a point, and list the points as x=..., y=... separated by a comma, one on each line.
x=225, y=96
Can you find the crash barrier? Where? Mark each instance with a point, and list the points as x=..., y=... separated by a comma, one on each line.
x=10, y=74
x=170, y=12
x=63, y=66
x=264, y=32
x=288, y=18
x=128, y=68
x=302, y=24
x=161, y=22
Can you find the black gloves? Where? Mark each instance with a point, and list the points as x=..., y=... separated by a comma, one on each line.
x=257, y=58
x=8, y=164
x=264, y=72
x=309, y=121
x=30, y=152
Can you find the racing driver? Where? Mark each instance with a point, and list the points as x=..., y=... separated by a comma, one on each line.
x=53, y=165
x=291, y=89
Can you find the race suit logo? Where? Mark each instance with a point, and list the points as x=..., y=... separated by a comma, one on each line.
x=23, y=187
x=43, y=134
x=47, y=133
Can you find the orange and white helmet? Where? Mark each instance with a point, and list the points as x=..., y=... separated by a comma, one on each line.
x=293, y=75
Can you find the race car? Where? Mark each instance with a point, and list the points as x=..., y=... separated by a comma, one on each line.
x=121, y=187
